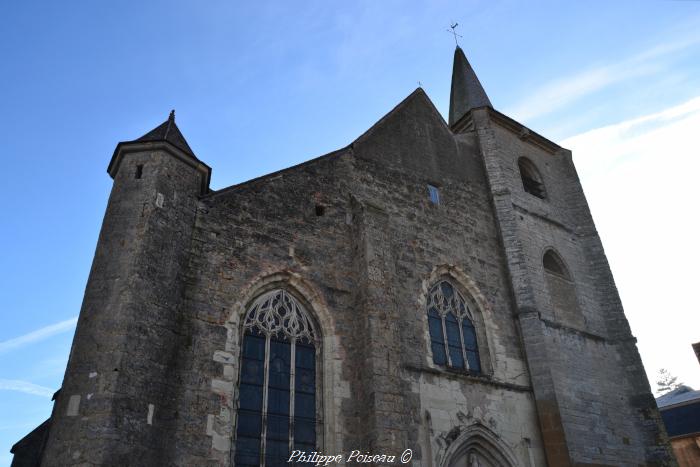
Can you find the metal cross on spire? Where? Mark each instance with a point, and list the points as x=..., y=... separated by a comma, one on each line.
x=453, y=26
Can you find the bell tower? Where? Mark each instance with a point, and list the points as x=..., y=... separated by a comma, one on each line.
x=588, y=382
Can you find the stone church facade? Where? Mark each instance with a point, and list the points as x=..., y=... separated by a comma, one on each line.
x=433, y=286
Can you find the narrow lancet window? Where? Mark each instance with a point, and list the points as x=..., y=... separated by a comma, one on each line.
x=451, y=328
x=277, y=390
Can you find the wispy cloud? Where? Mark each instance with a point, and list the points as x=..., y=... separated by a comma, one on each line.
x=650, y=136
x=39, y=334
x=25, y=387
x=640, y=181
x=556, y=94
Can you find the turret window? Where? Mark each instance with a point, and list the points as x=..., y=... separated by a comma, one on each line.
x=531, y=178
x=434, y=194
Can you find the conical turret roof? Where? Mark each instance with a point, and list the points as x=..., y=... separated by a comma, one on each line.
x=168, y=131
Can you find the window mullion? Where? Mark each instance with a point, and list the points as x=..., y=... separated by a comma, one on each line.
x=292, y=372
x=445, y=343
x=461, y=341
x=266, y=377
x=318, y=383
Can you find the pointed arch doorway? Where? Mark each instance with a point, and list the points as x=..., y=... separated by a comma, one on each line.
x=479, y=447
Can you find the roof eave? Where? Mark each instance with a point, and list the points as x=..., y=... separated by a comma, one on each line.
x=127, y=147
x=465, y=123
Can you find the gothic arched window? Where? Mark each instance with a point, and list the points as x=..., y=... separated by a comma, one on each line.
x=553, y=264
x=277, y=389
x=451, y=328
x=531, y=178
x=562, y=291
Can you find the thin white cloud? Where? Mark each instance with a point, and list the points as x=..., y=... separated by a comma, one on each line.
x=38, y=335
x=640, y=178
x=556, y=94
x=25, y=387
x=647, y=136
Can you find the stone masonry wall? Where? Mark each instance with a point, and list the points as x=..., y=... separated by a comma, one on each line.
x=363, y=268
x=583, y=366
x=116, y=403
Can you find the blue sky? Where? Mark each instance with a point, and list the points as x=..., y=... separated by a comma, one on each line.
x=258, y=86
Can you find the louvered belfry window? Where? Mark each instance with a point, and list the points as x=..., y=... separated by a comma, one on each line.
x=451, y=327
x=277, y=392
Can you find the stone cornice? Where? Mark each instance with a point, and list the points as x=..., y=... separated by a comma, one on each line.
x=128, y=147
x=466, y=123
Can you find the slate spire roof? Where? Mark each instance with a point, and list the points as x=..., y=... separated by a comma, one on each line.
x=168, y=131
x=467, y=92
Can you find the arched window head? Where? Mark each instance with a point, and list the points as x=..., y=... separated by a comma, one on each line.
x=277, y=387
x=532, y=180
x=553, y=264
x=451, y=327
x=564, y=306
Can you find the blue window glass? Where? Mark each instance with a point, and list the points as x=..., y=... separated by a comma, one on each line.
x=448, y=317
x=469, y=335
x=447, y=289
x=433, y=194
x=305, y=398
x=248, y=451
x=473, y=359
x=277, y=439
x=437, y=341
x=276, y=453
x=250, y=400
x=454, y=343
x=470, y=345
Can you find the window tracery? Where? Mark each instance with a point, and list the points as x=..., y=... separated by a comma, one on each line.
x=277, y=388
x=451, y=327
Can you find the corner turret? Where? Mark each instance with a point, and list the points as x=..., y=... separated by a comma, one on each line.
x=117, y=391
x=167, y=137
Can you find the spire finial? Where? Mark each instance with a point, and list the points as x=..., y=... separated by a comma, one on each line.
x=172, y=115
x=453, y=26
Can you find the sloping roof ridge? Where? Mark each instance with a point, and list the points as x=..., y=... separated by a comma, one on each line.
x=167, y=131
x=330, y=155
x=523, y=131
x=171, y=120
x=679, y=395
x=349, y=148
x=419, y=91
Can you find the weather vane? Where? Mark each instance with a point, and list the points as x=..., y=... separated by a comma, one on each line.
x=453, y=26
